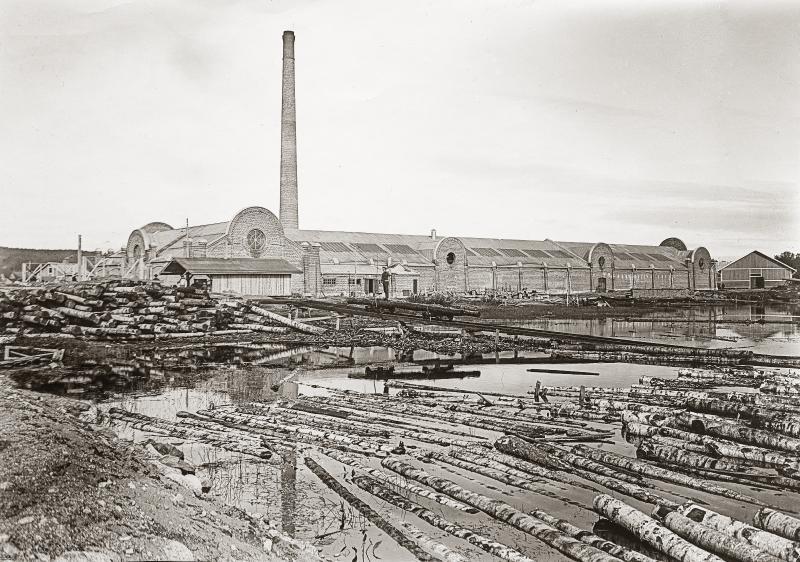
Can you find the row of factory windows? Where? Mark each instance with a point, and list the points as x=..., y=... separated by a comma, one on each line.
x=405, y=249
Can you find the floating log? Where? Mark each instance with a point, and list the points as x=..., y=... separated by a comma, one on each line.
x=435, y=548
x=778, y=523
x=238, y=442
x=423, y=375
x=504, y=512
x=493, y=547
x=771, y=543
x=307, y=328
x=371, y=515
x=650, y=531
x=717, y=427
x=563, y=372
x=638, y=467
x=400, y=483
x=519, y=448
x=661, y=451
x=711, y=539
x=718, y=447
x=430, y=309
x=591, y=539
x=587, y=464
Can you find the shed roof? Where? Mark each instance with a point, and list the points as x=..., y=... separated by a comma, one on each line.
x=230, y=266
x=761, y=255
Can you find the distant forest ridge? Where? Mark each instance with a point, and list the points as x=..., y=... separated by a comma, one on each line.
x=11, y=259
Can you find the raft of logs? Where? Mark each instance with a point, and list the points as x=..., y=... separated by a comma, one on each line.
x=694, y=450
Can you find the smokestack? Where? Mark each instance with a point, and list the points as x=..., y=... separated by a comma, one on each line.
x=288, y=210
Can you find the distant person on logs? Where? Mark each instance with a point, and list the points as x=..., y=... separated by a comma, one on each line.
x=385, y=283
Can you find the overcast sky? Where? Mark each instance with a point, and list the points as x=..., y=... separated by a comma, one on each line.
x=605, y=121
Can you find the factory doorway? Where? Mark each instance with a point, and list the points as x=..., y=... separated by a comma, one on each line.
x=369, y=286
x=756, y=281
x=414, y=287
x=601, y=285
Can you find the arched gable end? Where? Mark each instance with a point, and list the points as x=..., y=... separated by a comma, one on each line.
x=675, y=243
x=255, y=232
x=601, y=257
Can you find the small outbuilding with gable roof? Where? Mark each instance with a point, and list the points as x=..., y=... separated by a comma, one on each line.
x=756, y=270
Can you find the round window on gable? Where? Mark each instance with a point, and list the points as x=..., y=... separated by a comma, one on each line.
x=601, y=262
x=256, y=242
x=451, y=258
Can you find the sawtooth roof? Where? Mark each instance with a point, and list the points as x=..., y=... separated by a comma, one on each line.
x=344, y=247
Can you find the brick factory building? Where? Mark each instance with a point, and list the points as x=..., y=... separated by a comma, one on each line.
x=255, y=252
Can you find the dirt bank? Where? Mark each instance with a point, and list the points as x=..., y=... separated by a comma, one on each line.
x=70, y=490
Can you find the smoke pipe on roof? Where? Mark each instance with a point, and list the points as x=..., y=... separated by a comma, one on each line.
x=288, y=205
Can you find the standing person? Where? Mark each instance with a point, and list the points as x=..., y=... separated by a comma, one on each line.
x=385, y=283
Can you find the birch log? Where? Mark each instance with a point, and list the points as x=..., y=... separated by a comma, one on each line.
x=488, y=468
x=591, y=539
x=433, y=547
x=650, y=531
x=299, y=326
x=398, y=482
x=490, y=546
x=371, y=515
x=664, y=474
x=778, y=523
x=768, y=542
x=711, y=539
x=716, y=427
x=662, y=451
x=499, y=510
x=519, y=448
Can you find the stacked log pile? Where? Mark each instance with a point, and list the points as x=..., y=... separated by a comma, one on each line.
x=123, y=309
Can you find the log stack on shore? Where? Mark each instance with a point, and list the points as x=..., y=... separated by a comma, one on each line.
x=124, y=309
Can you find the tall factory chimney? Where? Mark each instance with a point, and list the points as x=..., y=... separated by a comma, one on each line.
x=288, y=210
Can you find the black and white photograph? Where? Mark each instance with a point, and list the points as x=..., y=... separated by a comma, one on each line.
x=370, y=281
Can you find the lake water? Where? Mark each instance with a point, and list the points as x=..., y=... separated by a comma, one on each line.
x=290, y=494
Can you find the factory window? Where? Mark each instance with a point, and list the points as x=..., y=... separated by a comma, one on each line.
x=512, y=252
x=374, y=248
x=601, y=261
x=137, y=251
x=329, y=281
x=400, y=248
x=451, y=258
x=537, y=254
x=488, y=252
x=335, y=247
x=701, y=263
x=256, y=242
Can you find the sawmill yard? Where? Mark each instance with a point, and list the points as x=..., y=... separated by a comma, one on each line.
x=140, y=421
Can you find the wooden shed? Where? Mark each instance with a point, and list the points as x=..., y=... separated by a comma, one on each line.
x=244, y=276
x=755, y=271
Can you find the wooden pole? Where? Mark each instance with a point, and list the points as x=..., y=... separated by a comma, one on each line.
x=80, y=259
